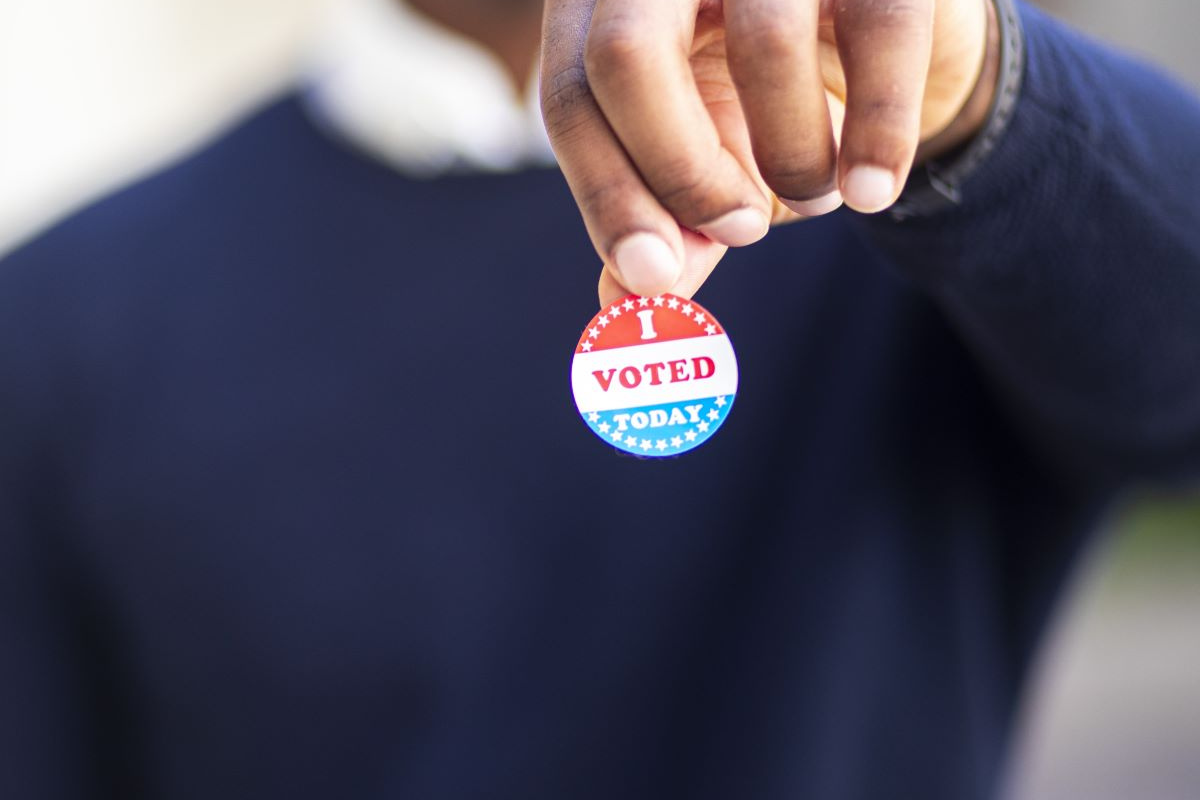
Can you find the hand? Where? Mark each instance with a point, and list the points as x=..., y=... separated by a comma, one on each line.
x=688, y=126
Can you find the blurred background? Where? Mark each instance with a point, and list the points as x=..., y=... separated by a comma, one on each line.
x=95, y=94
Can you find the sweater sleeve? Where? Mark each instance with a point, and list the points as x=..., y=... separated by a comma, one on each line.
x=1072, y=265
x=47, y=743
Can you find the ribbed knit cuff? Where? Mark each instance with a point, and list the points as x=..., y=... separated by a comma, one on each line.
x=936, y=185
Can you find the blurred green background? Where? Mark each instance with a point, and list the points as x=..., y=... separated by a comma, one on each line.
x=1157, y=533
x=1113, y=712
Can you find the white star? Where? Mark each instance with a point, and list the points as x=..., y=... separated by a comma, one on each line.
x=594, y=332
x=699, y=318
x=646, y=445
x=617, y=436
x=587, y=346
x=658, y=301
x=593, y=416
x=721, y=402
x=643, y=302
x=687, y=310
x=702, y=427
x=603, y=321
x=714, y=414
x=628, y=304
x=615, y=311
x=631, y=441
x=691, y=435
x=673, y=304
x=604, y=426
x=661, y=444
x=710, y=329
x=676, y=441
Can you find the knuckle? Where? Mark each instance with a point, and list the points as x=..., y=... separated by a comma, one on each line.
x=895, y=154
x=887, y=14
x=616, y=46
x=889, y=112
x=685, y=188
x=770, y=41
x=888, y=149
x=603, y=197
x=566, y=97
x=606, y=207
x=801, y=178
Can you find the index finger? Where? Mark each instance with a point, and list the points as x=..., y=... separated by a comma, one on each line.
x=638, y=57
x=638, y=240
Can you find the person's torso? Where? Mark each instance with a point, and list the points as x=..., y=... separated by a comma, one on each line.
x=350, y=536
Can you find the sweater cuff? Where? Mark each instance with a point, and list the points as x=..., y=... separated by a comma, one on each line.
x=937, y=185
x=1025, y=176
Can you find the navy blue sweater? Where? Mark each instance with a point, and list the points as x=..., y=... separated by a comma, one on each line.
x=294, y=502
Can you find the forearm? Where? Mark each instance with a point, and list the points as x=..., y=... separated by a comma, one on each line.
x=1072, y=265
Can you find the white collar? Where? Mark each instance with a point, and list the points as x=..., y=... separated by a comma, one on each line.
x=418, y=96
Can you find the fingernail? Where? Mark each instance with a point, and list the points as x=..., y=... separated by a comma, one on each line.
x=647, y=265
x=815, y=208
x=738, y=228
x=869, y=189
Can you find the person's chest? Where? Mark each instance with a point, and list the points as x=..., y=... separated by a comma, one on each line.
x=363, y=497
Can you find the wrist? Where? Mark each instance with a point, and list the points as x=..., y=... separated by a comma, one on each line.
x=937, y=184
x=973, y=115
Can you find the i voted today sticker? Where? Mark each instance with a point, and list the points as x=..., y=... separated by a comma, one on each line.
x=654, y=376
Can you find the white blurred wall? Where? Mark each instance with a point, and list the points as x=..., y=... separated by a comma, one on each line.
x=93, y=92
x=1160, y=30
x=1113, y=712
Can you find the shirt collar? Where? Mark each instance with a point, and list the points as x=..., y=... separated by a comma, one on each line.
x=418, y=96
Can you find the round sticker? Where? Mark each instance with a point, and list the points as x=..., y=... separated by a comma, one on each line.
x=654, y=376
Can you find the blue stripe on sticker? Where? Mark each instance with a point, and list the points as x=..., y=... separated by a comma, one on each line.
x=666, y=429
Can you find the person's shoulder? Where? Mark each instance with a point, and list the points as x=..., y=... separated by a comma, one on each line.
x=215, y=199
x=269, y=160
x=149, y=241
